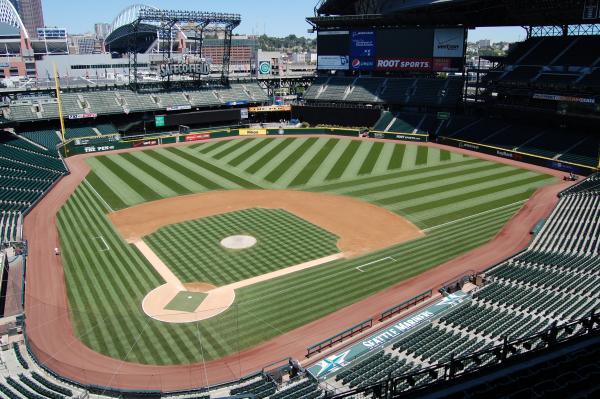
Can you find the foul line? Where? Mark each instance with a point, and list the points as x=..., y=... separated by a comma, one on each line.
x=473, y=216
x=107, y=248
x=359, y=268
x=98, y=194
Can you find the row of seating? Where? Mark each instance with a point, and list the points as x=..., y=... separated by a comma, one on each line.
x=260, y=389
x=561, y=62
x=591, y=185
x=125, y=101
x=306, y=389
x=423, y=92
x=571, y=375
x=520, y=297
x=577, y=146
x=574, y=227
x=49, y=139
x=11, y=226
x=27, y=171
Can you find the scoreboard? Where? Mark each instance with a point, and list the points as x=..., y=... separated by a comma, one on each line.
x=394, y=49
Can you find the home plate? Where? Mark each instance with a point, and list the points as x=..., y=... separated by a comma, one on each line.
x=238, y=242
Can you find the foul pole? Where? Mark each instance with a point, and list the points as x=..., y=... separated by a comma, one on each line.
x=60, y=111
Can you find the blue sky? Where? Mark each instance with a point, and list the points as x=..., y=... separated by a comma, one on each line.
x=275, y=17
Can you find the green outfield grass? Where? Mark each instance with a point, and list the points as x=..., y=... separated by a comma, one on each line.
x=460, y=202
x=193, y=252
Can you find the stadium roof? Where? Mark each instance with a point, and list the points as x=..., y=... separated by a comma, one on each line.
x=10, y=16
x=471, y=13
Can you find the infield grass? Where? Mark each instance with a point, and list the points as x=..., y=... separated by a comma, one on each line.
x=461, y=202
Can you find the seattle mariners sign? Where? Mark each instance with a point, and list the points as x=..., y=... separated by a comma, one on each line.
x=336, y=362
x=200, y=68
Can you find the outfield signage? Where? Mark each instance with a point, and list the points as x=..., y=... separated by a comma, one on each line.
x=520, y=156
x=100, y=148
x=145, y=143
x=404, y=64
x=159, y=121
x=197, y=137
x=82, y=116
x=271, y=108
x=333, y=62
x=568, y=99
x=253, y=132
x=449, y=42
x=179, y=108
x=334, y=363
x=362, y=43
x=234, y=103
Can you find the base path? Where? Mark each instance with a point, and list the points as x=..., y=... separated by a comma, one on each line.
x=218, y=299
x=51, y=335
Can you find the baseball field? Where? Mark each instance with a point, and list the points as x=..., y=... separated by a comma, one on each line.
x=449, y=204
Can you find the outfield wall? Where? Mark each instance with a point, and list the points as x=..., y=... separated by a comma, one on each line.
x=97, y=144
x=520, y=156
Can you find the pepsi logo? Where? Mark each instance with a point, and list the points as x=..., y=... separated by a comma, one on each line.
x=355, y=63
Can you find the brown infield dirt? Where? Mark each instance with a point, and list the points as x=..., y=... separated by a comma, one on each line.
x=369, y=229
x=51, y=336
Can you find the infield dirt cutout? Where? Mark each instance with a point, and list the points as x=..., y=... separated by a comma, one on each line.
x=362, y=228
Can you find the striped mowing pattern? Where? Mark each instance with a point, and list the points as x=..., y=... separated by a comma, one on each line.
x=192, y=250
x=106, y=287
x=253, y=163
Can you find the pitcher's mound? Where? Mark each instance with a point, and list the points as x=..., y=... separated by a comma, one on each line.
x=238, y=242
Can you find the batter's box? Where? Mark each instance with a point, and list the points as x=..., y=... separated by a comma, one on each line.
x=101, y=244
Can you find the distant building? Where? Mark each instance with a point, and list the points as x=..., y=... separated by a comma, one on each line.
x=485, y=43
x=51, y=33
x=101, y=29
x=89, y=65
x=84, y=44
x=243, y=52
x=31, y=14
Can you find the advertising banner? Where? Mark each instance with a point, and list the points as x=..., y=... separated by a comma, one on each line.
x=271, y=108
x=100, y=148
x=82, y=116
x=159, y=120
x=145, y=143
x=197, y=137
x=338, y=361
x=570, y=99
x=179, y=107
x=362, y=64
x=449, y=43
x=362, y=43
x=333, y=62
x=253, y=132
x=448, y=64
x=404, y=64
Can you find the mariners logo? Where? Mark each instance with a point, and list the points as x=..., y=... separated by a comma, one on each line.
x=264, y=68
x=332, y=363
x=452, y=300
